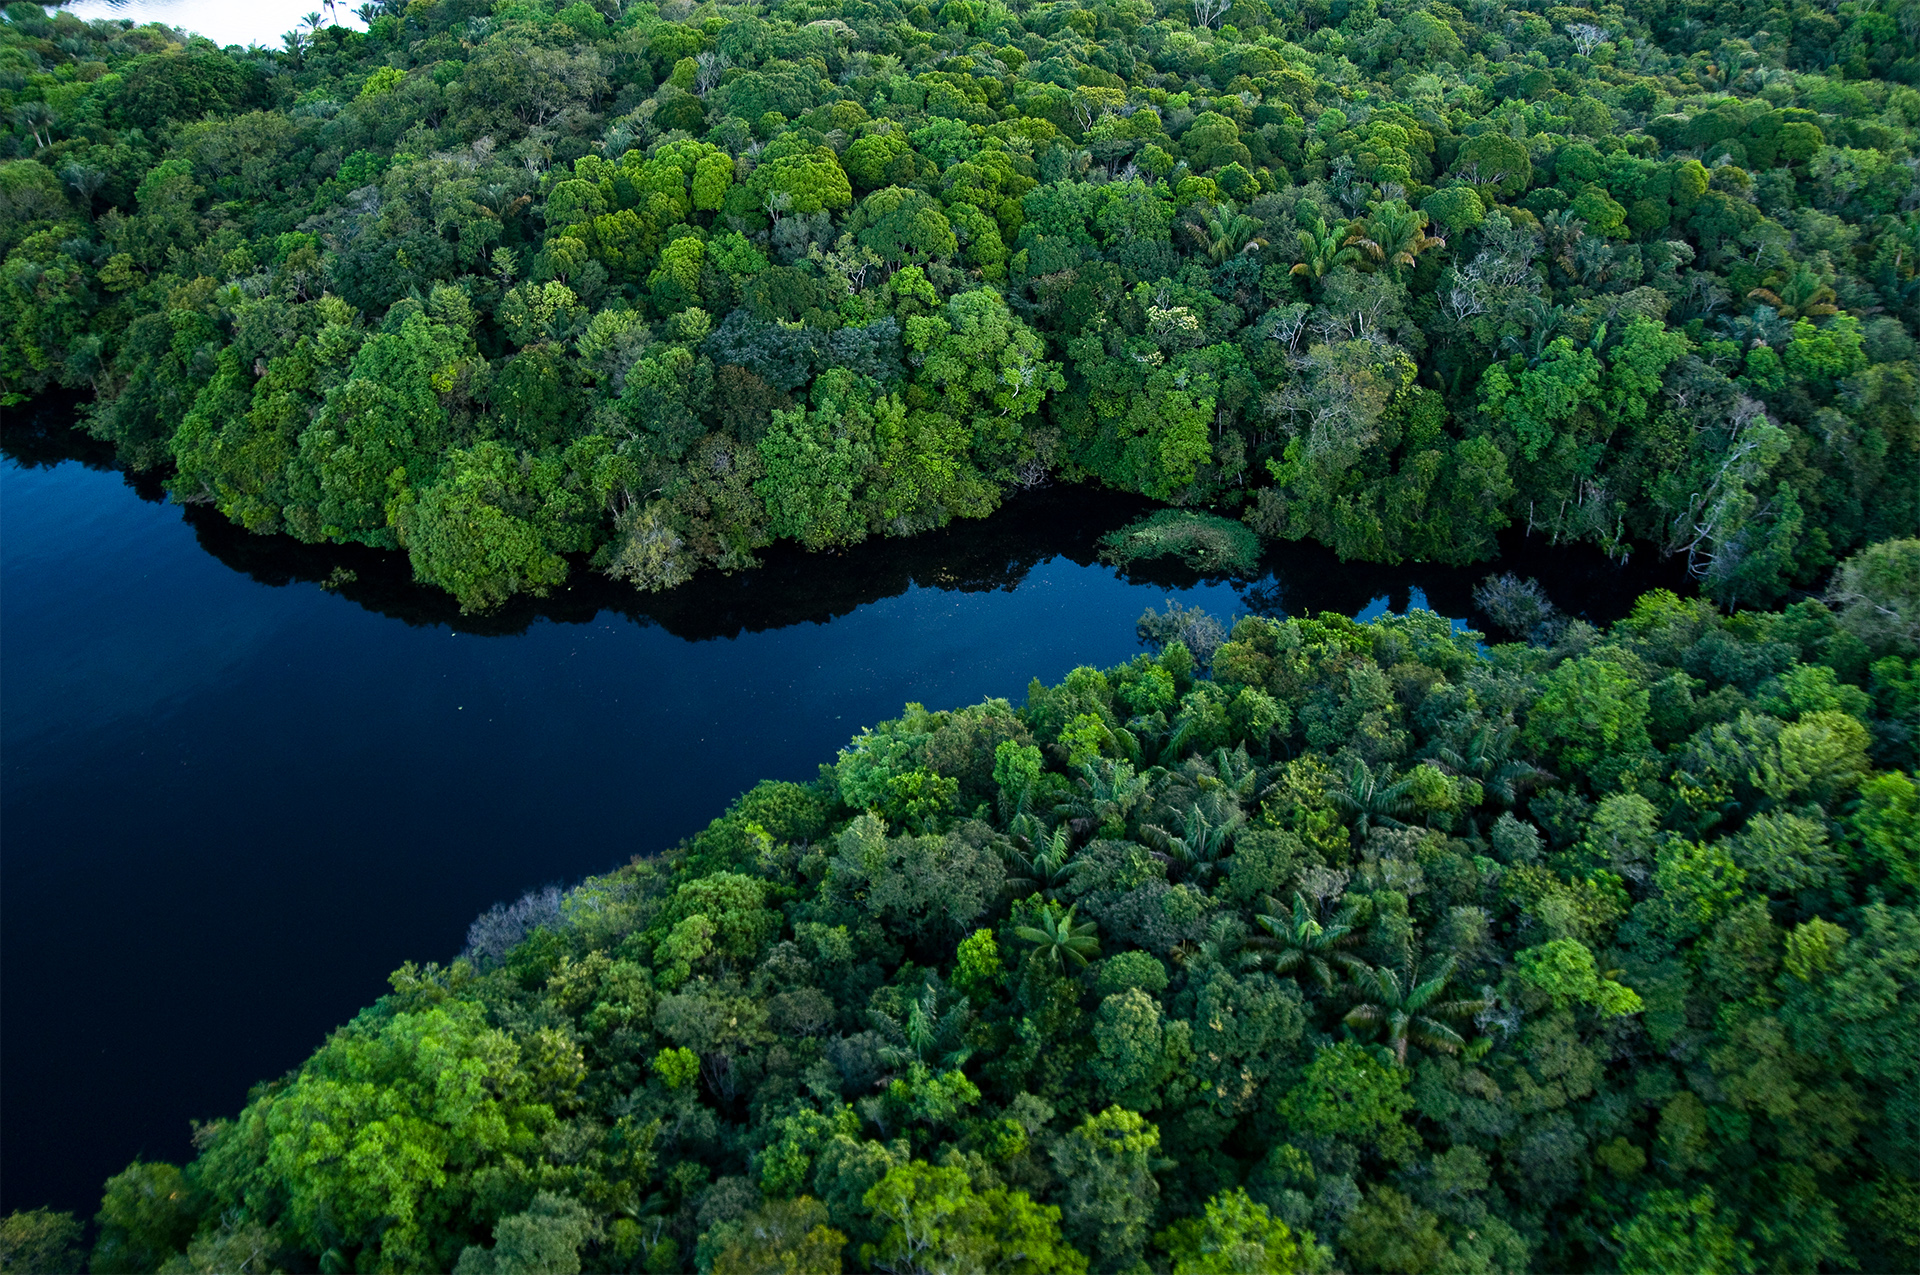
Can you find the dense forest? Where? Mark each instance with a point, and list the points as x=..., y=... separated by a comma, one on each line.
x=1310, y=945
x=517, y=287
x=1293, y=944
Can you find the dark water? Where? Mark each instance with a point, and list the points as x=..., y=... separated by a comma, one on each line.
x=242, y=779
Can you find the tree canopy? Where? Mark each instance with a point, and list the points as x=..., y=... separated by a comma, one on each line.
x=1598, y=952
x=1396, y=277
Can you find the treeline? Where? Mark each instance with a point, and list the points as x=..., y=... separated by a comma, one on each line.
x=510, y=284
x=1313, y=945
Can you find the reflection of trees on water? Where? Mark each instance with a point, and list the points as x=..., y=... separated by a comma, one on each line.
x=1307, y=579
x=796, y=587
x=791, y=587
x=40, y=434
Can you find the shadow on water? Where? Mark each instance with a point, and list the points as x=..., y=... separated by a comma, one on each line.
x=794, y=586
x=45, y=432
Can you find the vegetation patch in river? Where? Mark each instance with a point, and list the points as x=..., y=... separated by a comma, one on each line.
x=1205, y=542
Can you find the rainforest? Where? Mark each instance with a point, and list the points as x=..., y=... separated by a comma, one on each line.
x=525, y=290
x=1294, y=943
x=1311, y=945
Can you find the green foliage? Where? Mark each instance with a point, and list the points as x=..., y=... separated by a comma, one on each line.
x=1129, y=970
x=790, y=1237
x=1348, y=1093
x=1889, y=824
x=1565, y=970
x=676, y=1068
x=935, y=1220
x=817, y=460
x=1202, y=541
x=1059, y=942
x=1136, y=1051
x=148, y=1213
x=517, y=291
x=903, y=226
x=40, y=1240
x=1539, y=403
x=1234, y=1236
x=1494, y=163
x=821, y=276
x=1591, y=718
x=977, y=968
x=1878, y=592
x=1672, y=1232
x=382, y=1132
x=489, y=531
x=1106, y=1163
x=545, y=1238
x=1389, y=1232
x=971, y=1000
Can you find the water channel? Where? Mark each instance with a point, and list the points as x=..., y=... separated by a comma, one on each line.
x=242, y=779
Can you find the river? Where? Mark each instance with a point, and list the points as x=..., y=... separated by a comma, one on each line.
x=242, y=779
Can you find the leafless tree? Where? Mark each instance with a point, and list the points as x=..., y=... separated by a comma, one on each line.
x=1210, y=13
x=1521, y=607
x=1711, y=530
x=500, y=928
x=710, y=66
x=1586, y=37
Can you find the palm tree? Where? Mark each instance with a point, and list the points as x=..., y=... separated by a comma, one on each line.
x=1038, y=861
x=1321, y=250
x=1305, y=944
x=1225, y=234
x=1802, y=295
x=85, y=180
x=928, y=1036
x=38, y=119
x=1905, y=238
x=1369, y=798
x=1488, y=758
x=1200, y=844
x=1109, y=794
x=1562, y=233
x=1058, y=941
x=1393, y=234
x=1408, y=1010
x=1236, y=773
x=1543, y=322
x=651, y=1214
x=1224, y=946
x=313, y=21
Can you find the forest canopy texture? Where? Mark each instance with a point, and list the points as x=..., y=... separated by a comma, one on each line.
x=1320, y=945
x=1303, y=945
x=515, y=287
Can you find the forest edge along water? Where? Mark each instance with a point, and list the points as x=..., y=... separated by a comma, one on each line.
x=794, y=586
x=1323, y=942
x=222, y=861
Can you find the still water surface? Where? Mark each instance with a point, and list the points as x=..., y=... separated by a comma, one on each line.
x=242, y=779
